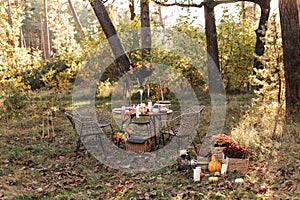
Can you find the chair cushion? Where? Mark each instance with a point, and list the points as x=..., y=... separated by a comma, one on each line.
x=137, y=139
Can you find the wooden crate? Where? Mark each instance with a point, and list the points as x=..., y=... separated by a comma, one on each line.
x=237, y=164
x=218, y=151
x=138, y=144
x=203, y=162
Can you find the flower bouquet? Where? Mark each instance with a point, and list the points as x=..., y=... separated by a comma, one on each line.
x=223, y=140
x=237, y=158
x=236, y=151
x=227, y=151
x=120, y=136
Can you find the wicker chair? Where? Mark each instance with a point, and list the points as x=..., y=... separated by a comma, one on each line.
x=102, y=117
x=86, y=129
x=181, y=126
x=142, y=120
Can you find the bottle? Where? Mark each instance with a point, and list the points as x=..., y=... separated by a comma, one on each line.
x=137, y=111
x=197, y=172
x=150, y=106
x=123, y=110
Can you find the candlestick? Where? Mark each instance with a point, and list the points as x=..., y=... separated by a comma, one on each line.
x=148, y=91
x=141, y=94
x=162, y=95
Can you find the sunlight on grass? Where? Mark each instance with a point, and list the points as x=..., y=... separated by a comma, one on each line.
x=36, y=167
x=260, y=123
x=276, y=145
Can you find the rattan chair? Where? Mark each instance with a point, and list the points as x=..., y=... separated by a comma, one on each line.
x=181, y=126
x=101, y=116
x=87, y=130
x=142, y=120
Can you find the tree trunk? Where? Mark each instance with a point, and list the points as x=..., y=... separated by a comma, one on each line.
x=161, y=21
x=9, y=13
x=212, y=48
x=131, y=9
x=261, y=32
x=111, y=34
x=42, y=44
x=243, y=10
x=77, y=22
x=22, y=38
x=10, y=22
x=145, y=31
x=290, y=28
x=46, y=32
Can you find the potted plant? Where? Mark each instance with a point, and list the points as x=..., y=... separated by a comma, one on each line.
x=221, y=141
x=237, y=158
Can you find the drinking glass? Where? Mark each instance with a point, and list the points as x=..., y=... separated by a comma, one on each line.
x=141, y=94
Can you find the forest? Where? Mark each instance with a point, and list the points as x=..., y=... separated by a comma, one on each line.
x=237, y=72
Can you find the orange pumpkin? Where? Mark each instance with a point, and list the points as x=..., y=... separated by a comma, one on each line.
x=214, y=165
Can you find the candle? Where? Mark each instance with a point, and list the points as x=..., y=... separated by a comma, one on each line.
x=162, y=95
x=224, y=168
x=137, y=111
x=197, y=173
x=149, y=105
x=182, y=152
x=148, y=92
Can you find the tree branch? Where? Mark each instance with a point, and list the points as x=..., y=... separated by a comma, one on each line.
x=158, y=2
x=208, y=3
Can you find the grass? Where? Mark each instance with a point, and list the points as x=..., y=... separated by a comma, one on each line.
x=33, y=167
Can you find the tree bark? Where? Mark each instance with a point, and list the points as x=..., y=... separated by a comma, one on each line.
x=111, y=34
x=145, y=31
x=243, y=10
x=75, y=17
x=261, y=32
x=290, y=29
x=22, y=38
x=42, y=44
x=46, y=32
x=9, y=13
x=161, y=21
x=131, y=9
x=10, y=22
x=212, y=47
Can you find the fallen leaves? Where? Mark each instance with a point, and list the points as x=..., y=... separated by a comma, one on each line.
x=53, y=168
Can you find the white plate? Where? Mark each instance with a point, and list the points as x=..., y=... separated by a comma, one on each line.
x=118, y=110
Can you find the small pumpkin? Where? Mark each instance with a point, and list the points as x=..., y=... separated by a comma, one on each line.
x=214, y=165
x=213, y=179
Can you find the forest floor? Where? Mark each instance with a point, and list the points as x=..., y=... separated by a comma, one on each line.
x=33, y=167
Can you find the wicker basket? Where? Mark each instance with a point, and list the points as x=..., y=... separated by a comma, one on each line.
x=203, y=162
x=218, y=151
x=237, y=164
x=138, y=144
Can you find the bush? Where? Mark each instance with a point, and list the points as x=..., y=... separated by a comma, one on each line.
x=14, y=102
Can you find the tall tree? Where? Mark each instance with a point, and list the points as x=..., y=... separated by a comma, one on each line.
x=146, y=31
x=243, y=9
x=211, y=43
x=131, y=9
x=76, y=19
x=9, y=13
x=111, y=34
x=46, y=35
x=260, y=32
x=290, y=28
